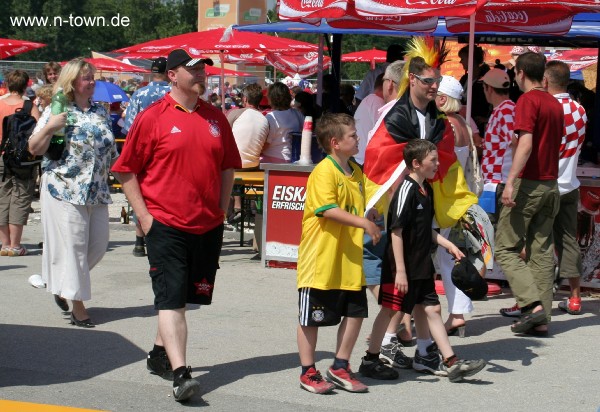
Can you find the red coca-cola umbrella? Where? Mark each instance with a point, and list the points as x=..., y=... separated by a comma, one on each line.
x=215, y=71
x=577, y=59
x=257, y=59
x=365, y=56
x=217, y=41
x=304, y=64
x=12, y=47
x=110, y=65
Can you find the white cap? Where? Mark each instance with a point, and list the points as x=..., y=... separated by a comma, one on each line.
x=451, y=87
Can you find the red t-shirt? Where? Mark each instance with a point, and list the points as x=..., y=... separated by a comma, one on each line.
x=537, y=112
x=178, y=157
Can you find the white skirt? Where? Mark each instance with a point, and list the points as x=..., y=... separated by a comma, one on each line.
x=75, y=240
x=458, y=302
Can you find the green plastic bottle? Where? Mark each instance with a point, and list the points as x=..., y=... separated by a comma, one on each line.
x=59, y=105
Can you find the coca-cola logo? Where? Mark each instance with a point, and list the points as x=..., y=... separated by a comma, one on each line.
x=311, y=4
x=519, y=17
x=311, y=55
x=430, y=2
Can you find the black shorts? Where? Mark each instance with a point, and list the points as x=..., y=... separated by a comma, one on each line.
x=420, y=292
x=319, y=307
x=183, y=265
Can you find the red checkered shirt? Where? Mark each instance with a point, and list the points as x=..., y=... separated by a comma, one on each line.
x=497, y=153
x=570, y=145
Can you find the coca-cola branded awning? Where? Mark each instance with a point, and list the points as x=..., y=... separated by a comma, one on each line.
x=457, y=8
x=526, y=16
x=577, y=59
x=343, y=14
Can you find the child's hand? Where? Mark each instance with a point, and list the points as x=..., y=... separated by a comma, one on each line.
x=372, y=230
x=401, y=282
x=455, y=251
x=373, y=215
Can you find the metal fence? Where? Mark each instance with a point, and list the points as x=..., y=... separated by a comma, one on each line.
x=33, y=69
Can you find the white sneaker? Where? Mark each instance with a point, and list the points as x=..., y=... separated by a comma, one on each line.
x=36, y=281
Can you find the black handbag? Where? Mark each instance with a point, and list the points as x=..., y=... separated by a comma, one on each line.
x=55, y=150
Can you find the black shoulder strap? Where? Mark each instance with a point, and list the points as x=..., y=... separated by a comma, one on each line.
x=27, y=106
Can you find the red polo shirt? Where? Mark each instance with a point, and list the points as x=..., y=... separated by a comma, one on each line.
x=178, y=157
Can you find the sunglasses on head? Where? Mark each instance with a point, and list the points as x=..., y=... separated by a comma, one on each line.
x=428, y=80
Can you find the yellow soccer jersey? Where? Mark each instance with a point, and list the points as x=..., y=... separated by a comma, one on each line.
x=330, y=254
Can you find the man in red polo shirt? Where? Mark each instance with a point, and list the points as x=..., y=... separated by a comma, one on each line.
x=531, y=198
x=177, y=171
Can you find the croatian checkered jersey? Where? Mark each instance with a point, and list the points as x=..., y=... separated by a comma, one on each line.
x=497, y=151
x=570, y=146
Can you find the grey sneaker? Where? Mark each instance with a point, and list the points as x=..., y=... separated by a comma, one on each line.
x=377, y=370
x=160, y=365
x=431, y=363
x=184, y=387
x=392, y=355
x=463, y=368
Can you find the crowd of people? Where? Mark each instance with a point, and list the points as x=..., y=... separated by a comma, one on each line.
x=405, y=113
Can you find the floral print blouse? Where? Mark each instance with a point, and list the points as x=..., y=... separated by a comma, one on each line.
x=80, y=176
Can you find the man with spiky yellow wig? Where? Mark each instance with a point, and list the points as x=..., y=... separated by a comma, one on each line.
x=415, y=116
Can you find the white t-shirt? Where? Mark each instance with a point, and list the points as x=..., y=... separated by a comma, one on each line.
x=250, y=131
x=278, y=147
x=365, y=116
x=367, y=86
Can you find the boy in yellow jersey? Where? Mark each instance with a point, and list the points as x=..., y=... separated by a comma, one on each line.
x=331, y=282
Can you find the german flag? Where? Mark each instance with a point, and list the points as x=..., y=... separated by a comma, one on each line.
x=384, y=161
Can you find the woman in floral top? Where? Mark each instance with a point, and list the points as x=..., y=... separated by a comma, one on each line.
x=74, y=190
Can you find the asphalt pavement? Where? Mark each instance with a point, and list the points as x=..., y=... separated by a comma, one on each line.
x=243, y=352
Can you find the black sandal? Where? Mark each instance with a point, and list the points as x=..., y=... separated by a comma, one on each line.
x=529, y=321
x=62, y=303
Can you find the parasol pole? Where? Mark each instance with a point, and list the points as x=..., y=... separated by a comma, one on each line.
x=470, y=66
x=320, y=72
x=222, y=85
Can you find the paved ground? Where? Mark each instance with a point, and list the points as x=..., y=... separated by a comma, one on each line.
x=243, y=349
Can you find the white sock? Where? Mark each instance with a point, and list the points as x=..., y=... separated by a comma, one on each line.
x=387, y=338
x=422, y=345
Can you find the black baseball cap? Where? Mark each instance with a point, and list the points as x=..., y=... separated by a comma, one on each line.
x=466, y=277
x=180, y=57
x=159, y=65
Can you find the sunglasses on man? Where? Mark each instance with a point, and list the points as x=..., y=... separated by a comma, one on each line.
x=428, y=80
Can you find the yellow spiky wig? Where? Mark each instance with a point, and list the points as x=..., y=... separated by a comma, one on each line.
x=433, y=52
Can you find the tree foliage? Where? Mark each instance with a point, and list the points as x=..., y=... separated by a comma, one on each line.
x=148, y=20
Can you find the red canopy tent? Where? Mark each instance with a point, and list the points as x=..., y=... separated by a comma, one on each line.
x=12, y=47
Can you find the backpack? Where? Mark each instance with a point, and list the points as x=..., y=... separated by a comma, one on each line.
x=16, y=129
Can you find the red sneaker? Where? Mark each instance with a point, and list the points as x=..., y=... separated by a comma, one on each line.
x=313, y=382
x=572, y=306
x=345, y=379
x=513, y=312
